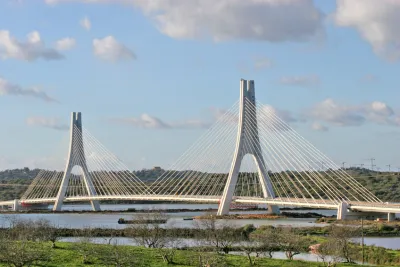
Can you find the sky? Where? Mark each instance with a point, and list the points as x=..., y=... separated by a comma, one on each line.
x=151, y=76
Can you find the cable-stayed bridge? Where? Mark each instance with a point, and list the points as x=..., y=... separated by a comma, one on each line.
x=249, y=155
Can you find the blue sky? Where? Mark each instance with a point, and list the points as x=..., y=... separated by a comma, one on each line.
x=149, y=75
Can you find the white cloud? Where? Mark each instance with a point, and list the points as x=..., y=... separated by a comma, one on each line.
x=377, y=22
x=341, y=115
x=109, y=49
x=300, y=80
x=319, y=127
x=262, y=20
x=150, y=122
x=369, y=78
x=7, y=88
x=271, y=117
x=224, y=115
x=379, y=112
x=65, y=43
x=33, y=48
x=85, y=23
x=353, y=115
x=53, y=123
x=262, y=63
x=144, y=121
x=282, y=114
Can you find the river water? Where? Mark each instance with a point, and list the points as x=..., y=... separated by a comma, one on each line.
x=109, y=220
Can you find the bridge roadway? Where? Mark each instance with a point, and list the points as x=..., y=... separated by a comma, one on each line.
x=383, y=207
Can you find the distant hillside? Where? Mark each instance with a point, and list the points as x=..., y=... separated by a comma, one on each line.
x=385, y=186
x=13, y=183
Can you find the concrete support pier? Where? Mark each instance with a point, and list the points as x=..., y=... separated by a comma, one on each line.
x=16, y=205
x=391, y=217
x=342, y=211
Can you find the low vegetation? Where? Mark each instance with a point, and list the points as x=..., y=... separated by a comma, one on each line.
x=36, y=243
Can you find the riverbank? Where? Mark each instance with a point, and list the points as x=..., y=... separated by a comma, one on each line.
x=265, y=216
x=371, y=228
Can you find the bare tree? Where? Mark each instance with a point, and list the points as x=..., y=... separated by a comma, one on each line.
x=22, y=230
x=32, y=230
x=149, y=233
x=115, y=255
x=290, y=242
x=168, y=253
x=219, y=234
x=84, y=245
x=266, y=239
x=23, y=252
x=252, y=250
x=46, y=231
x=342, y=238
x=109, y=239
x=18, y=246
x=205, y=258
x=327, y=252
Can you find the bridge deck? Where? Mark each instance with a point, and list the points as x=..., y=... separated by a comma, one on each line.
x=5, y=203
x=312, y=203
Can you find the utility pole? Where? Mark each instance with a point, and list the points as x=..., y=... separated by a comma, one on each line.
x=372, y=163
x=362, y=239
x=388, y=167
x=343, y=164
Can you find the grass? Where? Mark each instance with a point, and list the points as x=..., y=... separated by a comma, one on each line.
x=65, y=255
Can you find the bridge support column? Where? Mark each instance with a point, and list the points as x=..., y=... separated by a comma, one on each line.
x=342, y=211
x=391, y=217
x=247, y=133
x=76, y=157
x=16, y=205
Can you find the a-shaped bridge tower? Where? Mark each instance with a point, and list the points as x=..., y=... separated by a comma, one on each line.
x=76, y=157
x=247, y=124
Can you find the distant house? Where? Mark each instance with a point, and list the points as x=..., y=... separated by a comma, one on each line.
x=157, y=168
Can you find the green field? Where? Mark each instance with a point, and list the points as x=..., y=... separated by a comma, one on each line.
x=66, y=254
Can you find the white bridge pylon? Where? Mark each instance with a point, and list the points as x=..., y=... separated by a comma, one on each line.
x=76, y=157
x=247, y=124
x=91, y=173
